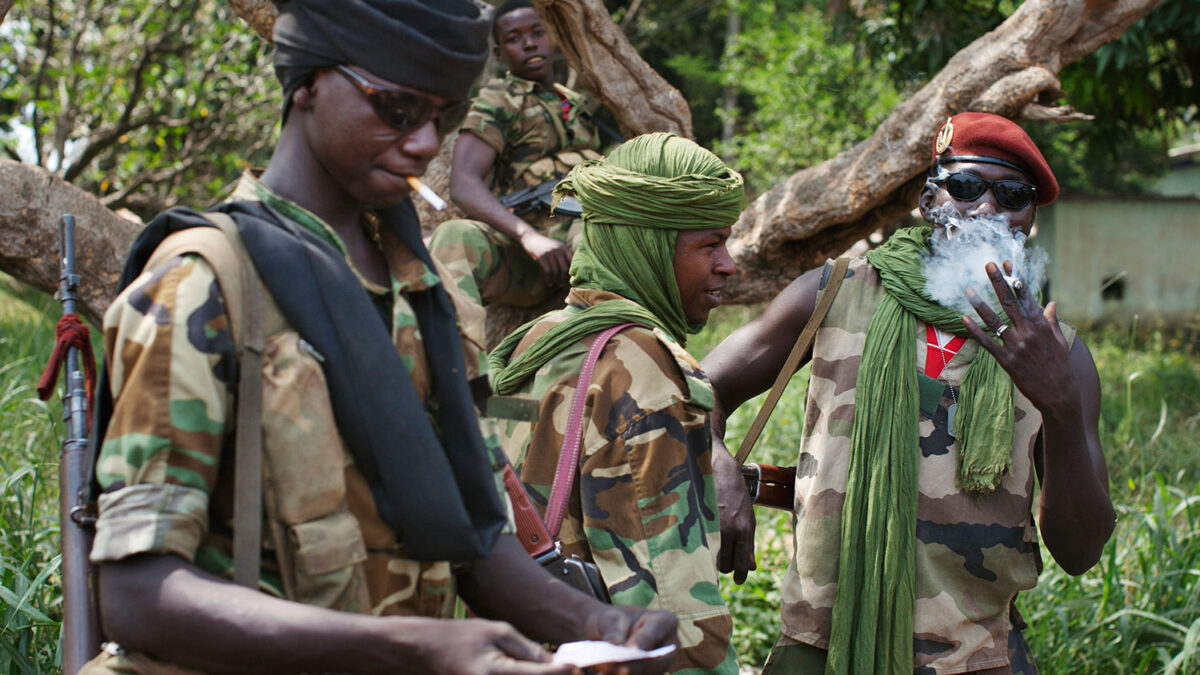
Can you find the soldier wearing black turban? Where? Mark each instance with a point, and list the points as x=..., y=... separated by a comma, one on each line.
x=379, y=492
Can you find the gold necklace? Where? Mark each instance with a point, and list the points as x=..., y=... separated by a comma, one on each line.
x=370, y=227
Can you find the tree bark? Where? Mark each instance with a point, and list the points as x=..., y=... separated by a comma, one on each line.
x=5, y=5
x=258, y=14
x=31, y=203
x=814, y=214
x=612, y=70
x=1011, y=71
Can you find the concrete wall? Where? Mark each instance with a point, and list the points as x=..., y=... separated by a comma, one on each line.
x=1146, y=249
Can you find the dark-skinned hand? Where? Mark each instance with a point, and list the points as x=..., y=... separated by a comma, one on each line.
x=481, y=647
x=635, y=627
x=737, y=515
x=1032, y=348
x=551, y=255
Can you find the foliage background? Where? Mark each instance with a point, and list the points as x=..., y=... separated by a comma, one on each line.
x=145, y=103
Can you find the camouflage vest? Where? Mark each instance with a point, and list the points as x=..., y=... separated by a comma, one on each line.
x=643, y=507
x=971, y=558
x=533, y=140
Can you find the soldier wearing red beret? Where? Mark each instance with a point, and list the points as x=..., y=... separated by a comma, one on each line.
x=941, y=389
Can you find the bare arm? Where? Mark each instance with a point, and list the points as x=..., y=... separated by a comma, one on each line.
x=470, y=165
x=163, y=606
x=1077, y=516
x=744, y=365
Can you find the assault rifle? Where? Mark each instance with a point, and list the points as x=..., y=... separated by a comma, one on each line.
x=81, y=625
x=540, y=196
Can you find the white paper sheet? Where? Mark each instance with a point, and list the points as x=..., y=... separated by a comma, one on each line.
x=593, y=653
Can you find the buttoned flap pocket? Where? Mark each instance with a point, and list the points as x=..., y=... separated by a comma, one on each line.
x=328, y=543
x=305, y=458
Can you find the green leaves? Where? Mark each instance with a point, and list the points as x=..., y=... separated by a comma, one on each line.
x=807, y=94
x=146, y=104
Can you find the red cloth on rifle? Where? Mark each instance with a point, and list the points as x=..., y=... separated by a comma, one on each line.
x=70, y=332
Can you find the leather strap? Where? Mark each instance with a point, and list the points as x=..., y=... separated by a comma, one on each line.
x=531, y=531
x=568, y=458
x=241, y=289
x=248, y=466
x=793, y=360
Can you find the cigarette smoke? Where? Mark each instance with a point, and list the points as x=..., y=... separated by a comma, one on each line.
x=960, y=249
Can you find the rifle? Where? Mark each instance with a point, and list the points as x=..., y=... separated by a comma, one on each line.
x=540, y=196
x=77, y=518
x=771, y=486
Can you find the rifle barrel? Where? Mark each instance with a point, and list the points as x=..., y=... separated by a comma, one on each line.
x=80, y=627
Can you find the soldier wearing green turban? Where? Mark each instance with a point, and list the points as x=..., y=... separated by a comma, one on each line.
x=657, y=212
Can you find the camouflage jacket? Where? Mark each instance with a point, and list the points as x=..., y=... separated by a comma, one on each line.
x=165, y=462
x=971, y=557
x=643, y=507
x=534, y=140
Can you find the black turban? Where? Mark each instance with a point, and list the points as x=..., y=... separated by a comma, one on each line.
x=437, y=46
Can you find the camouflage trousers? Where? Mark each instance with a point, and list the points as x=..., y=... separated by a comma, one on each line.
x=792, y=657
x=492, y=267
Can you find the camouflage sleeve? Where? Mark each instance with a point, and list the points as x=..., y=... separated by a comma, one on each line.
x=644, y=507
x=651, y=523
x=171, y=363
x=649, y=506
x=491, y=115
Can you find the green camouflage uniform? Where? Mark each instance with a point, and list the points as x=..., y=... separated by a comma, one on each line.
x=643, y=507
x=165, y=464
x=524, y=124
x=971, y=557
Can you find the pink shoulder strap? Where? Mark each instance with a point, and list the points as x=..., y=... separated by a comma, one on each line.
x=568, y=458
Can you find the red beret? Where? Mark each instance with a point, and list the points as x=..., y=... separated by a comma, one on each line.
x=984, y=137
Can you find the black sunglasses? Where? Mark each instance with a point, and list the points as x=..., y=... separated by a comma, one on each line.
x=408, y=110
x=967, y=187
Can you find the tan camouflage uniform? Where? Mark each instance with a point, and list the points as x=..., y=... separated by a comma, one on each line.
x=643, y=507
x=524, y=124
x=971, y=557
x=166, y=466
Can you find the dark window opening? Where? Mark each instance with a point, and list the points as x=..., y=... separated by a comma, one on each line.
x=1112, y=287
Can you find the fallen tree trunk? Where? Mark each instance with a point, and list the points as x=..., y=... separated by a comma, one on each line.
x=31, y=203
x=816, y=213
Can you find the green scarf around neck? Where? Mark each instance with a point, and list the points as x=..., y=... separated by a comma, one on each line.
x=872, y=629
x=634, y=203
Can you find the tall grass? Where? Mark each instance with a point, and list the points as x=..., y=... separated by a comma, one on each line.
x=30, y=436
x=1138, y=610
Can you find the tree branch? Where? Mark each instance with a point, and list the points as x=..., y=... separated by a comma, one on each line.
x=609, y=67
x=820, y=211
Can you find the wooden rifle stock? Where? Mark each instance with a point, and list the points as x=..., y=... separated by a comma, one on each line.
x=77, y=518
x=770, y=485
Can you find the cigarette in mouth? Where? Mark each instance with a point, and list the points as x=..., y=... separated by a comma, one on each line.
x=426, y=193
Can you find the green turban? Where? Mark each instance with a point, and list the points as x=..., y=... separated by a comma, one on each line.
x=634, y=201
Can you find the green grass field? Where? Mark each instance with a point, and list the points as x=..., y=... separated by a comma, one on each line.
x=1138, y=611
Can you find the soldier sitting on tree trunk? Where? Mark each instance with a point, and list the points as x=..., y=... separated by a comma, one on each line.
x=522, y=131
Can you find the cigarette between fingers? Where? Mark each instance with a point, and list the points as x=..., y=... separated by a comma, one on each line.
x=426, y=193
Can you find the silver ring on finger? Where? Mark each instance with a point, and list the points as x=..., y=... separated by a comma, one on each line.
x=1000, y=331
